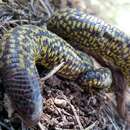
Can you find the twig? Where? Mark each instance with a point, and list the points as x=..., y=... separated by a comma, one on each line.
x=12, y=22
x=110, y=97
x=52, y=72
x=49, y=6
x=91, y=126
x=32, y=6
x=109, y=114
x=46, y=8
x=116, y=127
x=76, y=115
x=3, y=28
x=4, y=125
x=41, y=126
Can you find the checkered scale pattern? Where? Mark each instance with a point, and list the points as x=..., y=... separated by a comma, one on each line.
x=92, y=34
x=24, y=46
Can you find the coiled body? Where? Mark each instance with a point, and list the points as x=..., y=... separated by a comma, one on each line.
x=24, y=46
x=105, y=42
x=86, y=31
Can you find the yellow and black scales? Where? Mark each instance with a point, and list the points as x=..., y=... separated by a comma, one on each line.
x=26, y=45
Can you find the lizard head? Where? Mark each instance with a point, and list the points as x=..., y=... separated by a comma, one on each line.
x=24, y=93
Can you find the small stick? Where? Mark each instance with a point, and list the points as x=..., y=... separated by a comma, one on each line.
x=41, y=126
x=46, y=8
x=91, y=126
x=116, y=128
x=4, y=125
x=76, y=115
x=52, y=72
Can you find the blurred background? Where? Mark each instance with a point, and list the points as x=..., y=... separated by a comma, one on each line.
x=112, y=11
x=116, y=12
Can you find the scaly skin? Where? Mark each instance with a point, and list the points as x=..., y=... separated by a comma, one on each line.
x=106, y=43
x=26, y=45
x=89, y=32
